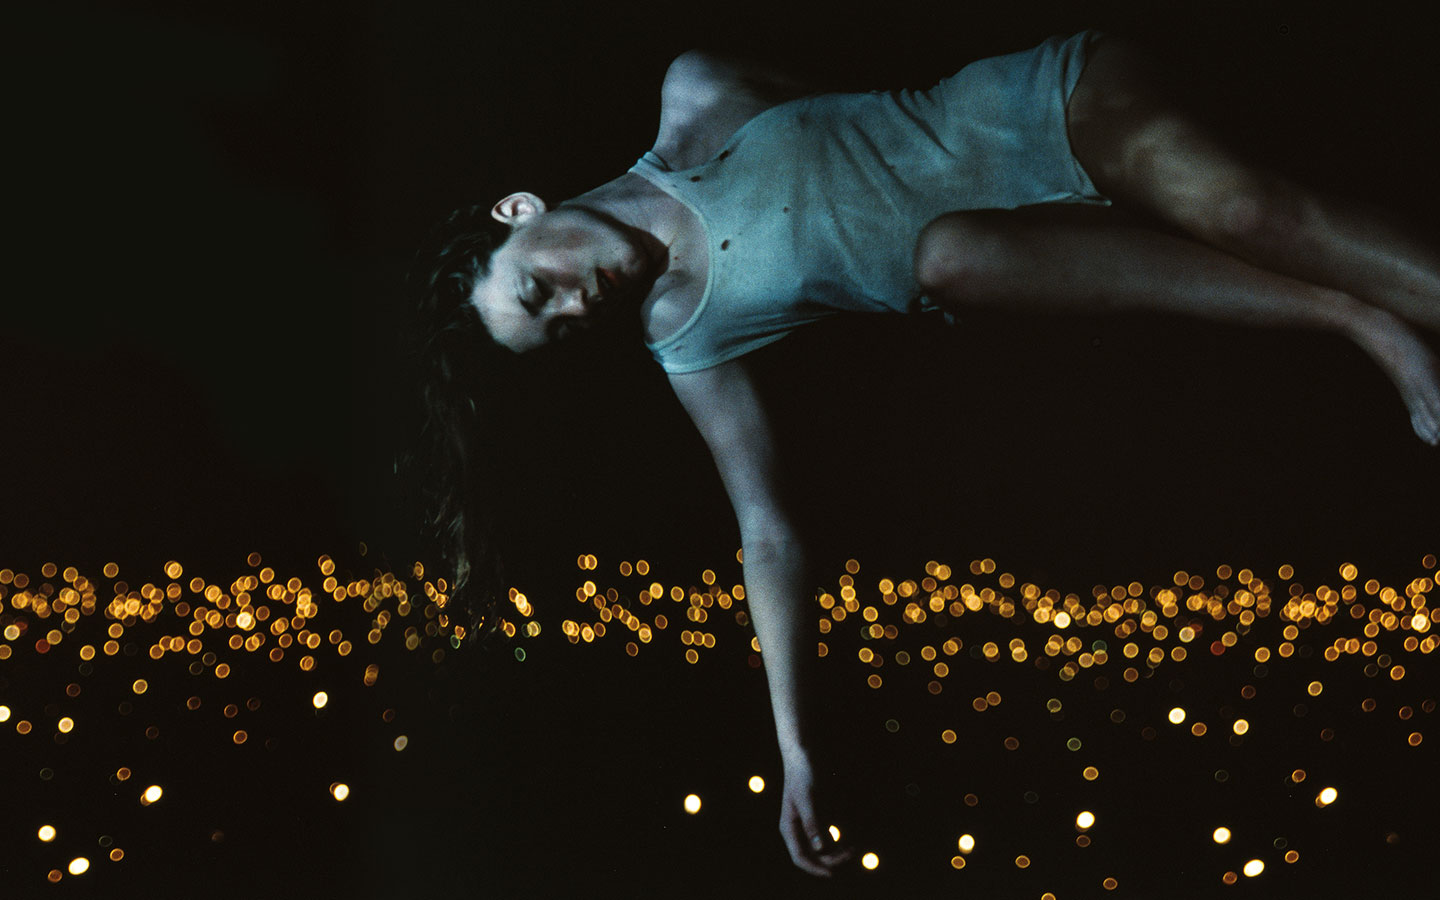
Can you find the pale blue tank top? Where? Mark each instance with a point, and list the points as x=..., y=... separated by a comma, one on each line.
x=813, y=207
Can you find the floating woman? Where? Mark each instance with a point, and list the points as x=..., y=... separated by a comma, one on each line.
x=763, y=206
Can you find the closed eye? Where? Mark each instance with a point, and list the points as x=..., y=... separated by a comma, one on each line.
x=532, y=296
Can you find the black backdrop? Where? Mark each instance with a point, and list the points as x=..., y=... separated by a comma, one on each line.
x=212, y=207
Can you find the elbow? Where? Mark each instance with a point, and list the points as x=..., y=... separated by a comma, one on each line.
x=769, y=538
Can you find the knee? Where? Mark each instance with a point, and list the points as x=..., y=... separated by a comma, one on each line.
x=1259, y=214
x=957, y=252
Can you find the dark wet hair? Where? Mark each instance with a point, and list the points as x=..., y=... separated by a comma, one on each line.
x=456, y=363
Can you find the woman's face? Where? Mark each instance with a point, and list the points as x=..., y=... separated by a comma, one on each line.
x=558, y=271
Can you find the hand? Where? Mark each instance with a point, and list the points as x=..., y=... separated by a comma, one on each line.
x=806, y=834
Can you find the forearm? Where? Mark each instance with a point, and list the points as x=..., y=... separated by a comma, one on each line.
x=776, y=591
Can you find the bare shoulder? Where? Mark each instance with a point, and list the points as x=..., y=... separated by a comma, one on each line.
x=706, y=96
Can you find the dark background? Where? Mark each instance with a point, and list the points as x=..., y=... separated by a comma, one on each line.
x=213, y=206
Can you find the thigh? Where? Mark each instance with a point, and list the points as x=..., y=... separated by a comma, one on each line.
x=1141, y=148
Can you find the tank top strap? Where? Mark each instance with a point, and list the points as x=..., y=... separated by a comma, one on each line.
x=652, y=162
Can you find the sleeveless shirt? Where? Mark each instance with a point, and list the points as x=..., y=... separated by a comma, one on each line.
x=814, y=206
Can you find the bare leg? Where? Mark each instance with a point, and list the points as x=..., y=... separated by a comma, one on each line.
x=1142, y=151
x=1091, y=260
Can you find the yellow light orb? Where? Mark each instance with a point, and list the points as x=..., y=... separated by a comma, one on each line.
x=692, y=803
x=79, y=865
x=834, y=833
x=966, y=843
x=1241, y=726
x=870, y=860
x=1254, y=867
x=757, y=784
x=151, y=795
x=1084, y=820
x=65, y=725
x=340, y=790
x=46, y=833
x=1221, y=835
x=320, y=699
x=1177, y=715
x=4, y=713
x=401, y=743
x=1327, y=797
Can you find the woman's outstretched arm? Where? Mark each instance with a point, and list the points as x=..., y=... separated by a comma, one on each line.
x=726, y=409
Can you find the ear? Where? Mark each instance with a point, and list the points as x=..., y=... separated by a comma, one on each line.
x=516, y=208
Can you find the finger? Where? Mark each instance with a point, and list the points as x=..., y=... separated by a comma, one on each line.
x=796, y=842
x=836, y=857
x=821, y=848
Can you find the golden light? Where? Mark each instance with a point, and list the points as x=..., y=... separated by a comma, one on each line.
x=692, y=803
x=1241, y=726
x=834, y=833
x=152, y=794
x=870, y=860
x=1084, y=820
x=966, y=843
x=320, y=699
x=4, y=713
x=757, y=784
x=1177, y=715
x=339, y=790
x=79, y=865
x=1221, y=835
x=46, y=833
x=65, y=725
x=1327, y=797
x=1254, y=867
x=401, y=743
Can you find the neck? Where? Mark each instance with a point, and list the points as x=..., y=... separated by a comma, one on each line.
x=631, y=202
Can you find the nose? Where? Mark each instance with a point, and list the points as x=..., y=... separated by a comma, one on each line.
x=572, y=303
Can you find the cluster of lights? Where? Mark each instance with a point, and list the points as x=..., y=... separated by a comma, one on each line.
x=1140, y=628
x=1149, y=626
x=1131, y=626
x=214, y=628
